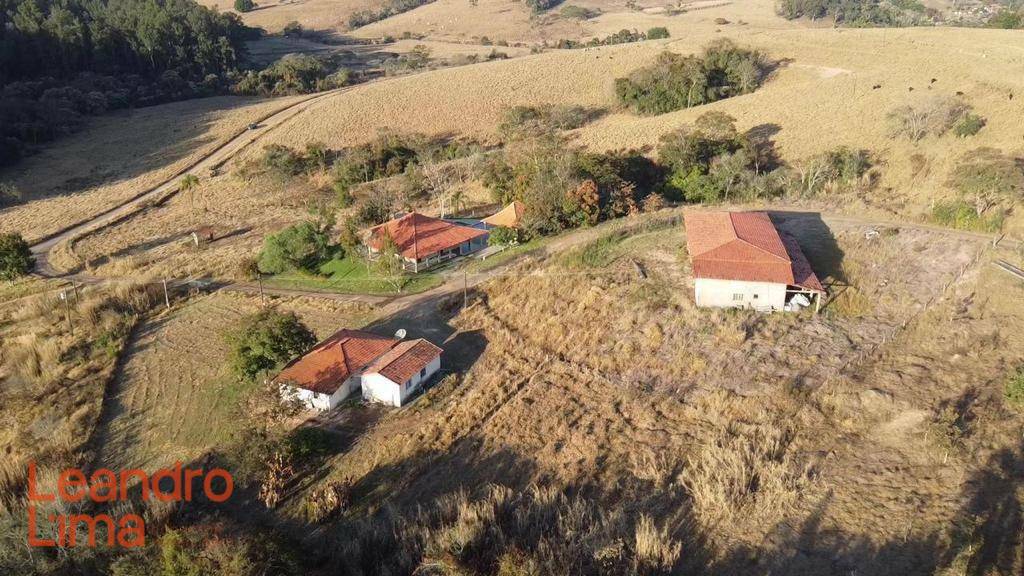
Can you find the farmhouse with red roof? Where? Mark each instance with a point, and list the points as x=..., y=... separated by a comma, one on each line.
x=741, y=260
x=385, y=369
x=423, y=241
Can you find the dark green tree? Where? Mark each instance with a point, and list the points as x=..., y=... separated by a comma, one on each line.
x=266, y=341
x=15, y=257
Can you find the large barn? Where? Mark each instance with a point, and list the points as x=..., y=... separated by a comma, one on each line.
x=384, y=369
x=741, y=260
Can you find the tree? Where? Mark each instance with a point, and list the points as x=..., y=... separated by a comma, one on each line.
x=657, y=33
x=390, y=264
x=15, y=257
x=300, y=247
x=266, y=341
x=244, y=5
x=188, y=184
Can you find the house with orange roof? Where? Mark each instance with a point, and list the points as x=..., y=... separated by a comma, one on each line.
x=423, y=242
x=348, y=360
x=741, y=260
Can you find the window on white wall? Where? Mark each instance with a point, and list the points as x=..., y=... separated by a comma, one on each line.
x=737, y=297
x=423, y=372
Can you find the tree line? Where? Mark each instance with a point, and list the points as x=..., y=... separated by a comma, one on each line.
x=61, y=60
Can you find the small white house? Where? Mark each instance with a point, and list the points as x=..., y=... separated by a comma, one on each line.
x=383, y=369
x=740, y=260
x=399, y=373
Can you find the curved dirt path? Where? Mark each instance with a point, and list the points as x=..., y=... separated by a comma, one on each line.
x=211, y=161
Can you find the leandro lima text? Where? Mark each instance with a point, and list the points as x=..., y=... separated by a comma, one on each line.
x=166, y=485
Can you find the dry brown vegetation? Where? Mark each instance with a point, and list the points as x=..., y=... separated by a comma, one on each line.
x=642, y=435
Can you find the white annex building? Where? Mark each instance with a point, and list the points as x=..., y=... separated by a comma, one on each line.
x=381, y=368
x=741, y=260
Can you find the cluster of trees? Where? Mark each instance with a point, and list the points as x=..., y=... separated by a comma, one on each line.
x=934, y=117
x=676, y=81
x=988, y=184
x=417, y=58
x=544, y=118
x=623, y=36
x=62, y=60
x=389, y=9
x=564, y=187
x=1008, y=19
x=538, y=6
x=578, y=12
x=861, y=13
x=295, y=74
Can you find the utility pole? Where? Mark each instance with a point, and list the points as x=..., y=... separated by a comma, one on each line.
x=75, y=288
x=67, y=308
x=465, y=289
x=167, y=298
x=259, y=279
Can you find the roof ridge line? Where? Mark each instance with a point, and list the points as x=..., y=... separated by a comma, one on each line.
x=396, y=357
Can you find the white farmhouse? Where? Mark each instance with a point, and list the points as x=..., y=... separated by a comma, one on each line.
x=340, y=365
x=740, y=260
x=393, y=377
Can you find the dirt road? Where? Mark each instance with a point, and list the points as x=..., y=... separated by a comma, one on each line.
x=212, y=161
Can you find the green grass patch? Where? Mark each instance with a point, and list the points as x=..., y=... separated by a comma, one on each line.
x=962, y=216
x=353, y=276
x=1014, y=392
x=505, y=256
x=596, y=254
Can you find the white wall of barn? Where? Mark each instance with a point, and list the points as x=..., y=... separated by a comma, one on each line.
x=715, y=293
x=379, y=388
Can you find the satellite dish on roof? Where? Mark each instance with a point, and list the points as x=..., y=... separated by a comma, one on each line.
x=400, y=334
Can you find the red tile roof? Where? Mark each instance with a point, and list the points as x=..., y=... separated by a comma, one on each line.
x=419, y=236
x=508, y=217
x=326, y=367
x=403, y=361
x=745, y=246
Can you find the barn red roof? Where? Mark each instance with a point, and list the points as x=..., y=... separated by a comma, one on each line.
x=331, y=362
x=405, y=360
x=418, y=236
x=745, y=246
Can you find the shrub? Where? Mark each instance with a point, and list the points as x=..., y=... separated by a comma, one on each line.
x=266, y=341
x=676, y=81
x=657, y=33
x=578, y=12
x=934, y=117
x=9, y=193
x=989, y=181
x=969, y=125
x=1007, y=19
x=292, y=29
x=962, y=216
x=303, y=247
x=1014, y=392
x=15, y=257
x=244, y=5
x=502, y=236
x=836, y=168
x=543, y=118
x=538, y=6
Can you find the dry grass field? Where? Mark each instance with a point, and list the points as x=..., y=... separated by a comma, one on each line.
x=118, y=156
x=173, y=397
x=860, y=439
